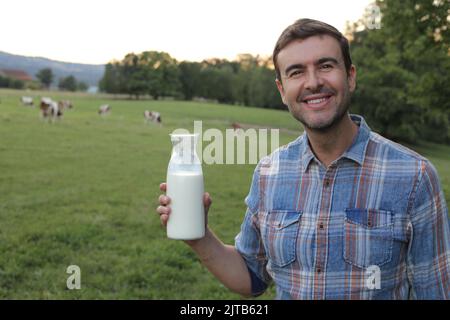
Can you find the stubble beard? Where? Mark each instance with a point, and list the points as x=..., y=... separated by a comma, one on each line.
x=327, y=125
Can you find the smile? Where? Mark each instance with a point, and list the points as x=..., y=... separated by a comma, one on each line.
x=317, y=101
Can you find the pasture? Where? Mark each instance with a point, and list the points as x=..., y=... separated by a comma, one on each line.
x=83, y=191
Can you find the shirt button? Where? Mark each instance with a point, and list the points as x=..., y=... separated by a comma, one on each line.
x=319, y=270
x=327, y=183
x=321, y=225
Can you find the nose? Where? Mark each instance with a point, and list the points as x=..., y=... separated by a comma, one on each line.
x=313, y=81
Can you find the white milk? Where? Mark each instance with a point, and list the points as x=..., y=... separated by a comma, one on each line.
x=187, y=216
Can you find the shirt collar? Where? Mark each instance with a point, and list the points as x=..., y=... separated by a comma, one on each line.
x=356, y=151
x=307, y=155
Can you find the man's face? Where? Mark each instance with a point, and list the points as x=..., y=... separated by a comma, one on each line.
x=314, y=82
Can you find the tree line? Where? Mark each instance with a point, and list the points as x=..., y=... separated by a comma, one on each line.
x=69, y=83
x=45, y=78
x=402, y=57
x=7, y=82
x=248, y=80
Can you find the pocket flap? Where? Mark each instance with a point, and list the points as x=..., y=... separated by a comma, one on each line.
x=369, y=218
x=281, y=219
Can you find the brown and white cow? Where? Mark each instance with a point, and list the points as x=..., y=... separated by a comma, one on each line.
x=50, y=109
x=152, y=116
x=65, y=104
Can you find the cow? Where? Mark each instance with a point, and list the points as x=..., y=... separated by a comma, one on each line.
x=27, y=101
x=104, y=109
x=50, y=109
x=65, y=104
x=237, y=128
x=152, y=116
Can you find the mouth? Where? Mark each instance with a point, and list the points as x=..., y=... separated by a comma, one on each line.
x=317, y=100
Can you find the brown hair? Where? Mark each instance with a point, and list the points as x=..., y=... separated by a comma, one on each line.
x=305, y=28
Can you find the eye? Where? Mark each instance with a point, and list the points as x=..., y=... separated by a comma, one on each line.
x=295, y=73
x=326, y=66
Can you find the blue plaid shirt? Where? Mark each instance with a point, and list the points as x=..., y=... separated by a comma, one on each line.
x=373, y=225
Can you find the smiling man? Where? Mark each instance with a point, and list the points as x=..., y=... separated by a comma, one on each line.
x=341, y=212
x=315, y=82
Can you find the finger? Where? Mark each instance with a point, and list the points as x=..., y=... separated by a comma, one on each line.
x=207, y=200
x=163, y=186
x=164, y=218
x=163, y=210
x=164, y=200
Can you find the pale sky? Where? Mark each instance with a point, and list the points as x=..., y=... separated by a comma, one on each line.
x=98, y=31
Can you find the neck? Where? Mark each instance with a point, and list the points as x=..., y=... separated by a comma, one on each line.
x=328, y=145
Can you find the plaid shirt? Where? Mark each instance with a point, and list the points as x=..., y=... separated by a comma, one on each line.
x=373, y=225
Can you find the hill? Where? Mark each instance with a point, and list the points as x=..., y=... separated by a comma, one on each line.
x=88, y=73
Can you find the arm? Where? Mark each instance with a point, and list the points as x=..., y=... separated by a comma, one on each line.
x=224, y=262
x=428, y=260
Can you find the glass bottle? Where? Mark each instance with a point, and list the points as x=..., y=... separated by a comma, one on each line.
x=185, y=189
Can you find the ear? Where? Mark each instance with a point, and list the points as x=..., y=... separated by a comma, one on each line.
x=352, y=78
x=280, y=90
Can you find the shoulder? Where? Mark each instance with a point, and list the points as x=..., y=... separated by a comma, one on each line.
x=290, y=151
x=401, y=161
x=396, y=158
x=393, y=150
x=283, y=155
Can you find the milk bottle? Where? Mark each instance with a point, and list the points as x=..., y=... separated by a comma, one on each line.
x=185, y=189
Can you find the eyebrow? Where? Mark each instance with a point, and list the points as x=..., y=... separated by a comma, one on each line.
x=318, y=62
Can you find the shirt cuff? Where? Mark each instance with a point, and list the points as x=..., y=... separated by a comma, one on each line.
x=258, y=285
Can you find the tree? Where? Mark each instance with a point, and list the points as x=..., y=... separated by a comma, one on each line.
x=245, y=78
x=218, y=79
x=45, y=76
x=403, y=79
x=132, y=71
x=68, y=83
x=262, y=91
x=111, y=80
x=82, y=86
x=190, y=83
x=161, y=72
x=150, y=72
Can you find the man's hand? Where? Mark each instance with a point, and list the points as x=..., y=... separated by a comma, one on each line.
x=164, y=209
x=224, y=261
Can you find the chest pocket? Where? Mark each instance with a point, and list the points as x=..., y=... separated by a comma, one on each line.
x=280, y=231
x=368, y=237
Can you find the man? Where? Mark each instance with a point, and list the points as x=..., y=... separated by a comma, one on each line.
x=341, y=212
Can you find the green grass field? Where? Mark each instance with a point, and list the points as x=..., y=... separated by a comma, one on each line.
x=83, y=191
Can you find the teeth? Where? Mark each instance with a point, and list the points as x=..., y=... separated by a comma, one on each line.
x=316, y=101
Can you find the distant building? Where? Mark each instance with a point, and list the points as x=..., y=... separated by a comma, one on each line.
x=92, y=89
x=15, y=74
